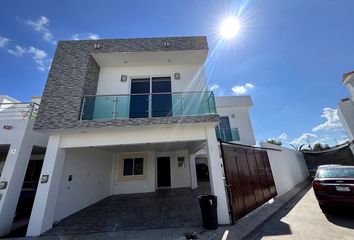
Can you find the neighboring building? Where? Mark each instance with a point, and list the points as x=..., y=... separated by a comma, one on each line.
x=129, y=116
x=346, y=106
x=21, y=157
x=235, y=123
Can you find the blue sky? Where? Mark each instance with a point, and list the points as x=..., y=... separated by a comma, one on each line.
x=289, y=55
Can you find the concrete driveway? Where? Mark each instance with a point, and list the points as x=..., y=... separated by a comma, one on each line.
x=303, y=219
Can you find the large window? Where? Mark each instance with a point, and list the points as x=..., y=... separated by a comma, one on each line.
x=133, y=166
x=151, y=97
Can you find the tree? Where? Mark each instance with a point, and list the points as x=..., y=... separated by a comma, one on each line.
x=274, y=141
x=319, y=146
x=298, y=147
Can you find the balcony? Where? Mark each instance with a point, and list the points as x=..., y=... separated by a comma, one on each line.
x=24, y=110
x=128, y=106
x=227, y=134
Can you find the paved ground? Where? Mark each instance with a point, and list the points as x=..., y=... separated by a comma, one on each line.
x=170, y=208
x=305, y=220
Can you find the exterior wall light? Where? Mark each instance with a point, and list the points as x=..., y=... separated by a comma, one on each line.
x=44, y=178
x=3, y=184
x=7, y=127
x=180, y=161
x=177, y=76
x=123, y=78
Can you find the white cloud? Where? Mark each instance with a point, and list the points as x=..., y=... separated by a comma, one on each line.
x=92, y=36
x=332, y=121
x=303, y=139
x=214, y=87
x=75, y=37
x=38, y=55
x=242, y=89
x=18, y=51
x=283, y=137
x=3, y=41
x=41, y=25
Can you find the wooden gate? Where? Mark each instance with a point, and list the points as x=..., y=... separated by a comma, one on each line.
x=249, y=178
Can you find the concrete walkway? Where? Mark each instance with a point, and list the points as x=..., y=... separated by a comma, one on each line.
x=305, y=220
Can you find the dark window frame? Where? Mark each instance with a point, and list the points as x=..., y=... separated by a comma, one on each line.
x=136, y=168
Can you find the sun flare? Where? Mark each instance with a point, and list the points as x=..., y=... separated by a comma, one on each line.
x=230, y=27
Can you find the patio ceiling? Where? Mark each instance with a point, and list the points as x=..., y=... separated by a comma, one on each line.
x=192, y=147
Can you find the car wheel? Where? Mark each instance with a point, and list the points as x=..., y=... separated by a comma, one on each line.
x=324, y=208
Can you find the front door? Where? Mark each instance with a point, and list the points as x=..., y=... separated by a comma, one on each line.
x=163, y=172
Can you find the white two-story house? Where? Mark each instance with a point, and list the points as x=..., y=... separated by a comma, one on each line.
x=129, y=116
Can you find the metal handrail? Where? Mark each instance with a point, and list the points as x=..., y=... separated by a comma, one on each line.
x=143, y=94
x=222, y=133
x=202, y=98
x=20, y=103
x=19, y=110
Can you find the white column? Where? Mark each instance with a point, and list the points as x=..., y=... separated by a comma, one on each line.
x=193, y=170
x=216, y=176
x=43, y=210
x=14, y=173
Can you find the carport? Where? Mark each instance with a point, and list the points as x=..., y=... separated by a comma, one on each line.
x=95, y=196
x=164, y=208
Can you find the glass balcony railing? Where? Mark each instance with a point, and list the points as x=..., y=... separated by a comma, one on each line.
x=106, y=107
x=24, y=110
x=227, y=134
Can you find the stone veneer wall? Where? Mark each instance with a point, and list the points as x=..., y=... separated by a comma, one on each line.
x=74, y=73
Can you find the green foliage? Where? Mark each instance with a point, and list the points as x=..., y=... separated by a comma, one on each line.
x=320, y=147
x=275, y=142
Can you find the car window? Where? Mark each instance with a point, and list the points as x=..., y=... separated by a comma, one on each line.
x=336, y=173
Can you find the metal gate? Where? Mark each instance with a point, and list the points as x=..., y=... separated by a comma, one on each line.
x=249, y=178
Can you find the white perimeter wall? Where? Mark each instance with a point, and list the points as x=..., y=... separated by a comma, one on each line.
x=192, y=78
x=288, y=167
x=91, y=180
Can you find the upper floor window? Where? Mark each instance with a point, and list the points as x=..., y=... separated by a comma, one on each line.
x=150, y=96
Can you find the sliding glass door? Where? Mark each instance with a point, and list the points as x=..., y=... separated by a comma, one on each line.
x=161, y=97
x=150, y=95
x=139, y=104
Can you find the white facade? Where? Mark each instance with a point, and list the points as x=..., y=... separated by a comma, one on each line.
x=192, y=78
x=346, y=106
x=87, y=165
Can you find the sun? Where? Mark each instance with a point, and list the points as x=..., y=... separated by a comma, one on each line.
x=230, y=27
